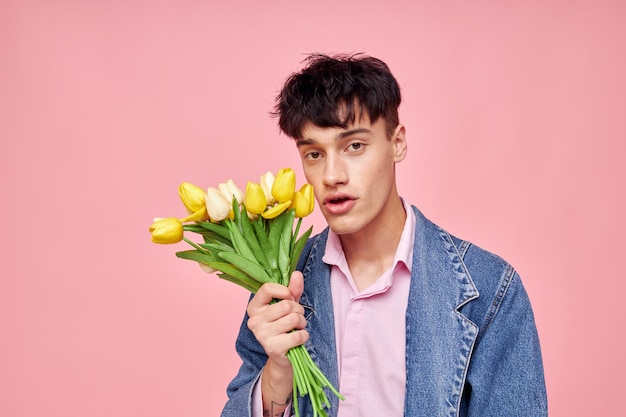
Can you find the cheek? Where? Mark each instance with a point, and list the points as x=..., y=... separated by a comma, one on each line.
x=377, y=170
x=314, y=172
x=306, y=169
x=380, y=181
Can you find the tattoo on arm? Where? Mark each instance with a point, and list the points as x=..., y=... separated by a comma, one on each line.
x=272, y=413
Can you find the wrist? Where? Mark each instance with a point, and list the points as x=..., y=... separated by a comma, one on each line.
x=277, y=382
x=276, y=372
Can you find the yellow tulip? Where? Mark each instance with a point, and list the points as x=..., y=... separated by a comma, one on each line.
x=276, y=210
x=255, y=198
x=217, y=204
x=193, y=199
x=284, y=185
x=304, y=201
x=167, y=230
x=230, y=190
x=267, y=181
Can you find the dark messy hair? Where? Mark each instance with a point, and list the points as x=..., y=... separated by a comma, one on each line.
x=330, y=90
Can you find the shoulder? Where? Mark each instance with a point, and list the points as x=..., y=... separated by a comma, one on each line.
x=485, y=267
x=499, y=286
x=496, y=281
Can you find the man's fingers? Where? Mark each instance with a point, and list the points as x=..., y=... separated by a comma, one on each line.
x=267, y=293
x=289, y=312
x=279, y=345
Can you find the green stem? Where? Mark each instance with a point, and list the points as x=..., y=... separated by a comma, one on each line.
x=295, y=235
x=309, y=379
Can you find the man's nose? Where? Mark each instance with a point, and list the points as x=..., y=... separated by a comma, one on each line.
x=335, y=172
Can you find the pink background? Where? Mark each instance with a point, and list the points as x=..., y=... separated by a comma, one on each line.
x=515, y=116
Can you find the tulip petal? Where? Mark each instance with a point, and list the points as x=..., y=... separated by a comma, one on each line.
x=267, y=182
x=276, y=210
x=231, y=191
x=196, y=217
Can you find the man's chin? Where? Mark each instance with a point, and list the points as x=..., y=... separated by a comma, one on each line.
x=342, y=227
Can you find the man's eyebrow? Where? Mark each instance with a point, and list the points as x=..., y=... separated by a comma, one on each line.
x=303, y=142
x=352, y=132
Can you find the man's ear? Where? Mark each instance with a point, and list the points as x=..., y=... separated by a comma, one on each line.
x=399, y=143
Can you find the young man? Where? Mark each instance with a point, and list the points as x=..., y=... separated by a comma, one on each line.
x=404, y=318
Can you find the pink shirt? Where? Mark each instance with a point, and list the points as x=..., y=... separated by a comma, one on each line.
x=370, y=330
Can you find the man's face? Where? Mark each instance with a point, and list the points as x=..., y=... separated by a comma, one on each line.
x=353, y=173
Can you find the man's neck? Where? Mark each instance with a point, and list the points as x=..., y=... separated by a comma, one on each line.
x=371, y=251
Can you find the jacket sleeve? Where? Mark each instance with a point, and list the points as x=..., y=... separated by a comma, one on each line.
x=505, y=377
x=253, y=359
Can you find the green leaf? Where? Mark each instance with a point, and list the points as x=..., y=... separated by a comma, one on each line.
x=239, y=242
x=193, y=228
x=233, y=271
x=218, y=228
x=252, y=287
x=246, y=265
x=253, y=242
x=195, y=255
x=276, y=228
x=297, y=249
x=284, y=245
x=237, y=212
x=266, y=246
x=214, y=237
x=283, y=260
x=288, y=227
x=216, y=247
x=206, y=234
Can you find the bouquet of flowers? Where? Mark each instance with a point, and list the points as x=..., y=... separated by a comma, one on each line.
x=250, y=240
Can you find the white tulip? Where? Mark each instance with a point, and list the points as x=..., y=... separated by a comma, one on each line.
x=217, y=204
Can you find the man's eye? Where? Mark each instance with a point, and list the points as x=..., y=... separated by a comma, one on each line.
x=313, y=155
x=356, y=146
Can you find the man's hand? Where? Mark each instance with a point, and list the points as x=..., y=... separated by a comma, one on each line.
x=278, y=327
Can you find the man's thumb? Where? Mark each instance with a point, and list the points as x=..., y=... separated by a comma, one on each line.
x=296, y=284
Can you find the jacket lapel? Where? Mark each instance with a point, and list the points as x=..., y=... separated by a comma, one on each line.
x=439, y=338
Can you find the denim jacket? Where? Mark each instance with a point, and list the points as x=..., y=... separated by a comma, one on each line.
x=472, y=348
